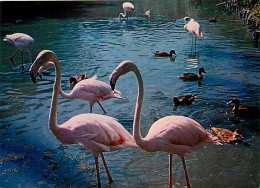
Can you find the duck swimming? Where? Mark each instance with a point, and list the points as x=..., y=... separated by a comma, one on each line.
x=213, y=19
x=183, y=100
x=226, y=135
x=75, y=79
x=247, y=111
x=186, y=17
x=164, y=54
x=192, y=76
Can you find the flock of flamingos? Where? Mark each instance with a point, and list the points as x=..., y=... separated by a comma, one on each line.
x=100, y=133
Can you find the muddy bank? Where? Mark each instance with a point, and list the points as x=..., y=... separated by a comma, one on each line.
x=248, y=11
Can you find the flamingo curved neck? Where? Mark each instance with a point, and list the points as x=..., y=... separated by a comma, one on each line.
x=137, y=118
x=55, y=96
x=122, y=15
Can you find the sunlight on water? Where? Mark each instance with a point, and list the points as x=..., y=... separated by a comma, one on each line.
x=96, y=45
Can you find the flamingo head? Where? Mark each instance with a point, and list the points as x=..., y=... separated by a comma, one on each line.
x=42, y=59
x=123, y=68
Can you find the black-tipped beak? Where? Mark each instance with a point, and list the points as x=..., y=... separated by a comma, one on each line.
x=112, y=85
x=33, y=78
x=40, y=76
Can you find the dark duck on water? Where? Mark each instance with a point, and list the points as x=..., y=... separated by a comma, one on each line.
x=246, y=111
x=164, y=54
x=192, y=76
x=183, y=100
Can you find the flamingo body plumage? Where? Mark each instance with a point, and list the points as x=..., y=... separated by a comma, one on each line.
x=194, y=28
x=176, y=135
x=23, y=43
x=96, y=132
x=172, y=134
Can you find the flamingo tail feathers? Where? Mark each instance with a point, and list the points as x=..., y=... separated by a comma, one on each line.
x=117, y=94
x=213, y=139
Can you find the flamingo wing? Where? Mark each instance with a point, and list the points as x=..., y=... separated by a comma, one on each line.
x=98, y=133
x=193, y=27
x=178, y=134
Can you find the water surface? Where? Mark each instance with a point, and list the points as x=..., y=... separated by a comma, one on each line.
x=91, y=39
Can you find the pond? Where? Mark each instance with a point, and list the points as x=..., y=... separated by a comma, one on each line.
x=88, y=37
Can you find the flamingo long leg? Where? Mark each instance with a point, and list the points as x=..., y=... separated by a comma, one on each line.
x=22, y=59
x=170, y=171
x=90, y=106
x=102, y=107
x=107, y=171
x=12, y=56
x=186, y=173
x=191, y=43
x=195, y=46
x=97, y=170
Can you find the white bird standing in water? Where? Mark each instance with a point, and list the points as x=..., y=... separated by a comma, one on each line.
x=127, y=7
x=23, y=42
x=194, y=28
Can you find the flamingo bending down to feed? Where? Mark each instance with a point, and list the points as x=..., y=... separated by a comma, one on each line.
x=172, y=134
x=23, y=42
x=90, y=89
x=194, y=28
x=96, y=132
x=127, y=7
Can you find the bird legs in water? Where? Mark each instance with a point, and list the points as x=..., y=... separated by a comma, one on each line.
x=186, y=173
x=100, y=107
x=11, y=58
x=191, y=42
x=185, y=170
x=107, y=171
x=170, y=171
x=192, y=45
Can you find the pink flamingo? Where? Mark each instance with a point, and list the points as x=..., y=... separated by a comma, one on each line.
x=96, y=132
x=194, y=28
x=23, y=42
x=91, y=89
x=127, y=7
x=172, y=134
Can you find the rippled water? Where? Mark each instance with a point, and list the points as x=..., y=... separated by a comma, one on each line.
x=96, y=43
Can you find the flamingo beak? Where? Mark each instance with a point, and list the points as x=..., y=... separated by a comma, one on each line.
x=33, y=78
x=112, y=85
x=40, y=76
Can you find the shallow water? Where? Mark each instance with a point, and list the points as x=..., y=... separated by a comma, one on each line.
x=94, y=41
